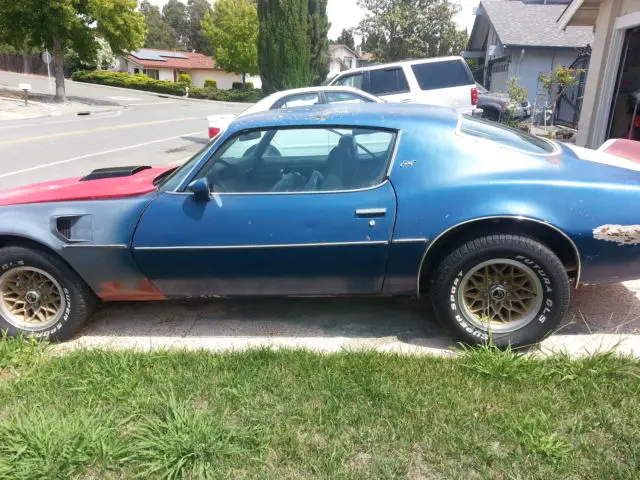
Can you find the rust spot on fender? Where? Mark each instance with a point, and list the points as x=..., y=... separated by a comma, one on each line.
x=124, y=292
x=620, y=234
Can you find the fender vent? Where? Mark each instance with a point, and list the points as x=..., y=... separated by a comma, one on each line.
x=113, y=172
x=74, y=228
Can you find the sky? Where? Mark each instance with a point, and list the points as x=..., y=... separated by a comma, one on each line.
x=347, y=14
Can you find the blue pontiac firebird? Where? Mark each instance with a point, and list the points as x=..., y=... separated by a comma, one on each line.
x=495, y=224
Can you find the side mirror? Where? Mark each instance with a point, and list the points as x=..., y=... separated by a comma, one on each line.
x=200, y=189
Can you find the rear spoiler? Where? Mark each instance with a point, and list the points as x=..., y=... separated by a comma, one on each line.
x=622, y=148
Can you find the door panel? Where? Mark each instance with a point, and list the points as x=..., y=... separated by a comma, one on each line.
x=267, y=244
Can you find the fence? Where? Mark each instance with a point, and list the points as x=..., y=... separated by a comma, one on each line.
x=23, y=63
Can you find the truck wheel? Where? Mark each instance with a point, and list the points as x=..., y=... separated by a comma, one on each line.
x=503, y=289
x=40, y=297
x=491, y=115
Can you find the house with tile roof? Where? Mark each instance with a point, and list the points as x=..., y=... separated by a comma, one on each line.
x=521, y=38
x=168, y=65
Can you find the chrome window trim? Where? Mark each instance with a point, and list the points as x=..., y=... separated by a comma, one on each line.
x=180, y=189
x=276, y=245
x=409, y=240
x=94, y=245
x=556, y=148
x=510, y=217
x=311, y=192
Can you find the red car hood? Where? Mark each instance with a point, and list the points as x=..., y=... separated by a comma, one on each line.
x=71, y=189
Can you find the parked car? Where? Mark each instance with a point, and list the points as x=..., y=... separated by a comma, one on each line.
x=297, y=97
x=497, y=106
x=495, y=224
x=444, y=81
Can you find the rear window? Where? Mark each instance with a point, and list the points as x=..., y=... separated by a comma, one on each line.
x=386, y=81
x=354, y=81
x=507, y=136
x=432, y=75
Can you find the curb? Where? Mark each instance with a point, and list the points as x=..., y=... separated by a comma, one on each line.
x=160, y=95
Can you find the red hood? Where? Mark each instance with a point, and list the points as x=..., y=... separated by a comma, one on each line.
x=71, y=189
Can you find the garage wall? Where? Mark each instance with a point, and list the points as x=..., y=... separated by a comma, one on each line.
x=535, y=62
x=165, y=74
x=630, y=6
x=224, y=79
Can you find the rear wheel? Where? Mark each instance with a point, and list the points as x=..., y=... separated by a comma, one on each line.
x=40, y=297
x=506, y=289
x=492, y=115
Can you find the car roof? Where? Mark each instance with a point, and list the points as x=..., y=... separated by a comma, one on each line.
x=412, y=61
x=382, y=115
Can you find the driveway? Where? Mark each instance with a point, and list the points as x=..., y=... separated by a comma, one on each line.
x=601, y=317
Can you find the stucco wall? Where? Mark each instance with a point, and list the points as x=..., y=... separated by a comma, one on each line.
x=224, y=79
x=629, y=6
x=165, y=74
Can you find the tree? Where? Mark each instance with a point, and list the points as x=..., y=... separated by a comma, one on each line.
x=318, y=41
x=59, y=25
x=283, y=44
x=159, y=33
x=400, y=29
x=346, y=38
x=232, y=31
x=196, y=39
x=174, y=13
x=557, y=82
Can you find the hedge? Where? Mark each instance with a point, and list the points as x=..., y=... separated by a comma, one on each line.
x=210, y=83
x=143, y=82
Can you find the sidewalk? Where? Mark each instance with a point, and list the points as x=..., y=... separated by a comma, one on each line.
x=12, y=107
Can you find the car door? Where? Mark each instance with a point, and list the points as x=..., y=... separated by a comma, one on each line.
x=282, y=219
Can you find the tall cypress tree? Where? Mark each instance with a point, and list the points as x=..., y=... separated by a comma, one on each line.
x=318, y=41
x=283, y=44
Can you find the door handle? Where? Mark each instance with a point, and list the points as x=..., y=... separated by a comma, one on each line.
x=371, y=212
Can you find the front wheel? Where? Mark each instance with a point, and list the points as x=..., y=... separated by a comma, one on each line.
x=40, y=296
x=503, y=289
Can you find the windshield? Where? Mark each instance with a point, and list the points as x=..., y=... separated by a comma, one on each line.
x=174, y=180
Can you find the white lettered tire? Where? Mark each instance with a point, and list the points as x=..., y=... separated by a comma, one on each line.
x=503, y=289
x=40, y=296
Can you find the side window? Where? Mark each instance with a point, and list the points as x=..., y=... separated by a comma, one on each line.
x=385, y=81
x=451, y=73
x=301, y=100
x=354, y=81
x=345, y=97
x=300, y=160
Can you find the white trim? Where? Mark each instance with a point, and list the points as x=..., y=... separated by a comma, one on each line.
x=612, y=66
x=569, y=12
x=630, y=20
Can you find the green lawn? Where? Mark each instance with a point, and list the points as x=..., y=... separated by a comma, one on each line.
x=292, y=414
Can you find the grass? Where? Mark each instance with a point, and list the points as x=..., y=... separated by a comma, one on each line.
x=487, y=414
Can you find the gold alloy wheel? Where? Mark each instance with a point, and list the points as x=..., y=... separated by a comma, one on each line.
x=30, y=298
x=500, y=295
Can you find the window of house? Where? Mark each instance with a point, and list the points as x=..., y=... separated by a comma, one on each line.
x=300, y=160
x=354, y=80
x=387, y=81
x=136, y=71
x=348, y=61
x=447, y=74
x=152, y=72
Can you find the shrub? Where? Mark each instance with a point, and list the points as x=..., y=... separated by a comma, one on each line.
x=142, y=82
x=184, y=78
x=210, y=83
x=236, y=86
x=249, y=86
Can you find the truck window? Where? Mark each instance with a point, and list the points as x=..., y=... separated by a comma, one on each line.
x=385, y=81
x=451, y=73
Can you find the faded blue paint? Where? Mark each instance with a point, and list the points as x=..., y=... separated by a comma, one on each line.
x=439, y=179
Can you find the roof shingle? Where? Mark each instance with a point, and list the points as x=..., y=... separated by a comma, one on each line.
x=534, y=25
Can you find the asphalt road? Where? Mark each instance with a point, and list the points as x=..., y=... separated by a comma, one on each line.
x=142, y=129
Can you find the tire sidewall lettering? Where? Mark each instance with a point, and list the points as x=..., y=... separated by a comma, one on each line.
x=69, y=304
x=546, y=310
